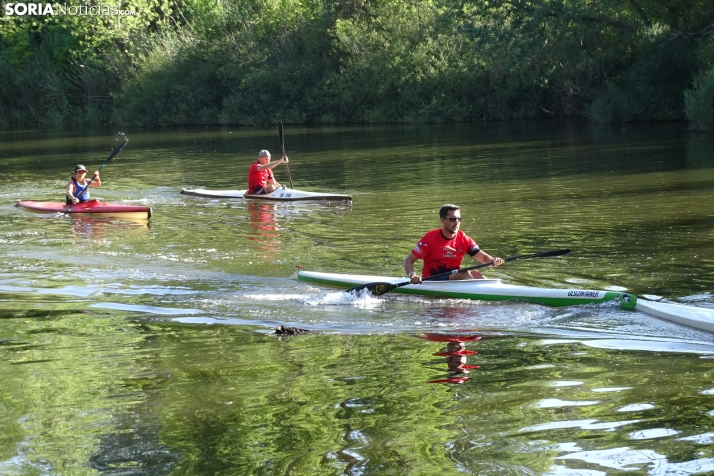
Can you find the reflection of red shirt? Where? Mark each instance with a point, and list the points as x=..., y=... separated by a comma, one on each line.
x=258, y=179
x=441, y=255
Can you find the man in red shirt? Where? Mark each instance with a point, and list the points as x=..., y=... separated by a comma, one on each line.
x=443, y=249
x=260, y=175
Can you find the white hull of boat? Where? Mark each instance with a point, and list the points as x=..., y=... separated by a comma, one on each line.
x=697, y=317
x=477, y=289
x=281, y=195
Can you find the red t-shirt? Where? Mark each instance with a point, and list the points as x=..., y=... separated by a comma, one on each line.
x=258, y=179
x=441, y=255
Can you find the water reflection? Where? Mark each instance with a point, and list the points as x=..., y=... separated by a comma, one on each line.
x=628, y=459
x=264, y=225
x=456, y=356
x=133, y=446
x=97, y=228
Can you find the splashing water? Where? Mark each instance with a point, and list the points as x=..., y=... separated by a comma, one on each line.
x=361, y=300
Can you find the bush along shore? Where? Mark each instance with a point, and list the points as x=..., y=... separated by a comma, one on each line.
x=187, y=62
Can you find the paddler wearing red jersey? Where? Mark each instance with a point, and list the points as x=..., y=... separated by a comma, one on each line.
x=258, y=179
x=260, y=175
x=442, y=254
x=443, y=249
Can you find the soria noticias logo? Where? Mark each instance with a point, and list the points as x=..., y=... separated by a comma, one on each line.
x=27, y=9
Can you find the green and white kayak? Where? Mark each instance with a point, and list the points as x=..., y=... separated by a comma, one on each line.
x=477, y=289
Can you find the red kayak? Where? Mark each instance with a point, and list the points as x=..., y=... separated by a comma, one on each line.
x=90, y=208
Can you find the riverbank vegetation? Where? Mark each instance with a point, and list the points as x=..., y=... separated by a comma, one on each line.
x=310, y=61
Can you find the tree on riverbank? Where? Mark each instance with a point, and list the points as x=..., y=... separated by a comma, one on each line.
x=255, y=62
x=64, y=68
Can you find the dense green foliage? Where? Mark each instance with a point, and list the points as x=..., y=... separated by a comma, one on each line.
x=65, y=68
x=257, y=61
x=699, y=101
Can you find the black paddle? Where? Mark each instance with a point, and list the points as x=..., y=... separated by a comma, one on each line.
x=382, y=288
x=106, y=161
x=282, y=144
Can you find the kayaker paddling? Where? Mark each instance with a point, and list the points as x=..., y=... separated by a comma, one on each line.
x=77, y=185
x=260, y=175
x=443, y=249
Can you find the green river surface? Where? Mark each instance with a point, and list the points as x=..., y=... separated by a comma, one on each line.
x=128, y=349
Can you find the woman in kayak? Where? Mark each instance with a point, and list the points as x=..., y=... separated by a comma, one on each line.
x=443, y=249
x=260, y=175
x=77, y=185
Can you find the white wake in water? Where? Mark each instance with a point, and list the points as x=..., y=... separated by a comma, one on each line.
x=361, y=300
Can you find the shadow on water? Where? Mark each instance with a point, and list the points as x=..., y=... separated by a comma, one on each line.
x=134, y=445
x=34, y=314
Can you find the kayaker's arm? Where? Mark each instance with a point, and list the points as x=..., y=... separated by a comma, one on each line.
x=408, y=265
x=275, y=163
x=96, y=181
x=70, y=191
x=483, y=257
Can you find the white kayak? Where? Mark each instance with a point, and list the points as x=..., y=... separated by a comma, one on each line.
x=698, y=317
x=282, y=194
x=477, y=289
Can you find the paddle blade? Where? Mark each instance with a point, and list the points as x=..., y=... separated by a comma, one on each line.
x=282, y=140
x=115, y=151
x=375, y=288
x=547, y=254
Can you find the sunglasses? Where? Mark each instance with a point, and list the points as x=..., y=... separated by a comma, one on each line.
x=455, y=219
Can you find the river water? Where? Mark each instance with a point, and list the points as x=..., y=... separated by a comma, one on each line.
x=135, y=348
